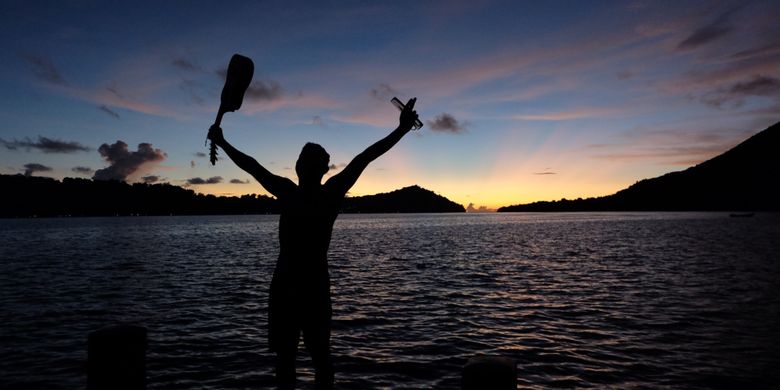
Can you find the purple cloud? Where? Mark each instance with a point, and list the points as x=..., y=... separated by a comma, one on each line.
x=46, y=145
x=447, y=123
x=125, y=162
x=198, y=180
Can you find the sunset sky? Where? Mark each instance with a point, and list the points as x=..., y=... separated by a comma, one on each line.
x=521, y=101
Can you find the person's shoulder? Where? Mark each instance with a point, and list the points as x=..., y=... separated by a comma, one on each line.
x=290, y=192
x=332, y=191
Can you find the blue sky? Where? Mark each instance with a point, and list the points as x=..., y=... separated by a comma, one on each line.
x=522, y=101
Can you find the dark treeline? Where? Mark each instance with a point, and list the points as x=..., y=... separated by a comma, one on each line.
x=744, y=178
x=46, y=197
x=28, y=196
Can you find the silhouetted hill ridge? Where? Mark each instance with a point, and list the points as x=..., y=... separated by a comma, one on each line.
x=30, y=196
x=742, y=178
x=413, y=199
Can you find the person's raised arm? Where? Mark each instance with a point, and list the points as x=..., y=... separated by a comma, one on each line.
x=345, y=179
x=278, y=186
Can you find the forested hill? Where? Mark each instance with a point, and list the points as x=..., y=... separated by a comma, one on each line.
x=413, y=199
x=743, y=178
x=29, y=196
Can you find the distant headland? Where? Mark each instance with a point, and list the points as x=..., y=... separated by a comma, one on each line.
x=743, y=178
x=29, y=196
x=413, y=199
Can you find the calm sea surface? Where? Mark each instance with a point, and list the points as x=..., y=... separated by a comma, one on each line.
x=681, y=300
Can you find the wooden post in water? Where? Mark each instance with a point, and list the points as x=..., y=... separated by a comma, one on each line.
x=116, y=358
x=489, y=372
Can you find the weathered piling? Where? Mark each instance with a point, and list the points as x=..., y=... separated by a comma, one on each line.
x=489, y=372
x=116, y=358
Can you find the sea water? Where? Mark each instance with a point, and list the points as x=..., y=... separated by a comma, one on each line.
x=682, y=300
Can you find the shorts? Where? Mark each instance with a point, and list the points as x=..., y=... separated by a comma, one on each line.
x=294, y=311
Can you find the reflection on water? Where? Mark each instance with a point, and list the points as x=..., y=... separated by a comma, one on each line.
x=580, y=299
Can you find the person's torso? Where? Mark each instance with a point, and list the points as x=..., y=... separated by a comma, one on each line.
x=305, y=228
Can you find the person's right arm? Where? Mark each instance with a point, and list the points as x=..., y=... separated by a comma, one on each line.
x=278, y=186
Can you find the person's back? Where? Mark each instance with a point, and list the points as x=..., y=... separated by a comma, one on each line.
x=305, y=227
x=299, y=298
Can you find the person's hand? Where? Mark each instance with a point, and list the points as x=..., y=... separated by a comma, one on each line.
x=215, y=135
x=408, y=115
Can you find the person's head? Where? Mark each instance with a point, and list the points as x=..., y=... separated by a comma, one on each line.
x=312, y=163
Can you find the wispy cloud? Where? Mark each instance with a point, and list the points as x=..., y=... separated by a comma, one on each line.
x=191, y=83
x=371, y=116
x=193, y=89
x=758, y=86
x=150, y=179
x=238, y=181
x=126, y=163
x=675, y=155
x=383, y=92
x=111, y=96
x=136, y=85
x=108, y=111
x=576, y=113
x=710, y=32
x=45, y=145
x=715, y=85
x=737, y=92
x=680, y=146
x=264, y=91
x=318, y=121
x=772, y=48
x=259, y=90
x=625, y=74
x=185, y=64
x=43, y=67
x=31, y=168
x=290, y=101
x=516, y=62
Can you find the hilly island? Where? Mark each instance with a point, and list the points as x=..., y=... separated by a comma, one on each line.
x=29, y=196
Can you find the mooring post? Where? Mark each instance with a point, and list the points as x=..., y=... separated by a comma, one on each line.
x=116, y=358
x=490, y=372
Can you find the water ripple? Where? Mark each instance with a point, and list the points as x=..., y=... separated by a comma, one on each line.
x=626, y=300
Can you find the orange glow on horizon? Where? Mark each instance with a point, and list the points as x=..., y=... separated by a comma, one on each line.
x=491, y=195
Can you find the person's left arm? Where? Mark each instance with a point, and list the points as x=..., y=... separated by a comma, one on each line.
x=345, y=179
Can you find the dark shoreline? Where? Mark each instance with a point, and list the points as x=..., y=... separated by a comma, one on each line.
x=725, y=213
x=46, y=197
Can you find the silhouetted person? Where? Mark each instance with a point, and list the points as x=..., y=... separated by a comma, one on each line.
x=299, y=300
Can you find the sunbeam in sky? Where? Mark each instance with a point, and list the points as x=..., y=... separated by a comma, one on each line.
x=522, y=101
